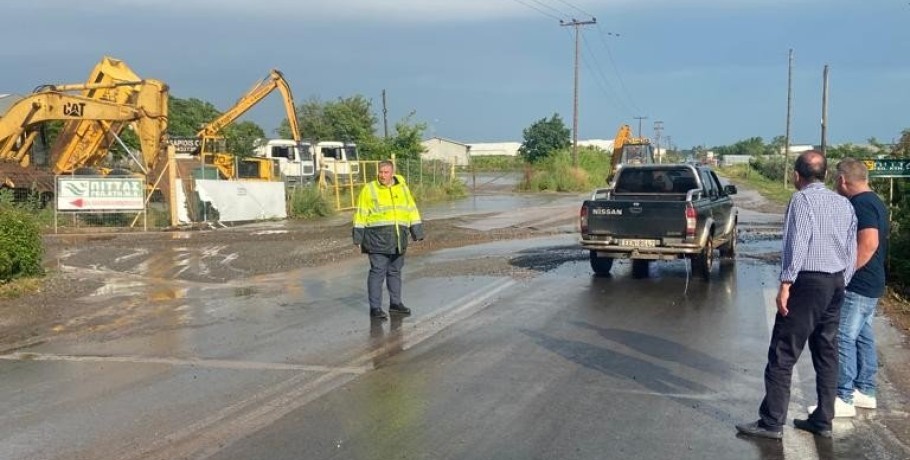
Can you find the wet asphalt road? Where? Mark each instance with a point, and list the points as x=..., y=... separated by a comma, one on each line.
x=515, y=351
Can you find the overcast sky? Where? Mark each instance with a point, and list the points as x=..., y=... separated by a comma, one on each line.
x=713, y=71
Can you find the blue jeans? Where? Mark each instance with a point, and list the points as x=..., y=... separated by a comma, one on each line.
x=856, y=347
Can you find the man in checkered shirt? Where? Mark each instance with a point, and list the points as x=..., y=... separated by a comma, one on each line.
x=818, y=260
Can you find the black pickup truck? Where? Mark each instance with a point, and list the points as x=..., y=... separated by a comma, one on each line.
x=660, y=212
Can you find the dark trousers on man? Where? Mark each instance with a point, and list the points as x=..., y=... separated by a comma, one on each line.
x=814, y=312
x=384, y=268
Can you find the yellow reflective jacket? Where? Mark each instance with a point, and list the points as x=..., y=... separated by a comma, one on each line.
x=385, y=217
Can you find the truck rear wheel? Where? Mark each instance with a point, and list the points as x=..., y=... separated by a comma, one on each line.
x=601, y=265
x=728, y=250
x=702, y=263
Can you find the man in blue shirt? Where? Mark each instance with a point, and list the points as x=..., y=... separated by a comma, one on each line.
x=858, y=361
x=817, y=261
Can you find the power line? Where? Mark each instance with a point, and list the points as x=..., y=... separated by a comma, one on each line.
x=559, y=12
x=622, y=83
x=538, y=10
x=564, y=2
x=610, y=91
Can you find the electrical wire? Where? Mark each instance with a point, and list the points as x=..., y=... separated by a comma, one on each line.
x=619, y=78
x=564, y=2
x=603, y=78
x=521, y=2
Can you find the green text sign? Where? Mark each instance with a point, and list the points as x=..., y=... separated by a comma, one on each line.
x=890, y=167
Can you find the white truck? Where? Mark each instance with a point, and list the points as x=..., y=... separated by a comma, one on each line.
x=337, y=162
x=295, y=160
x=303, y=163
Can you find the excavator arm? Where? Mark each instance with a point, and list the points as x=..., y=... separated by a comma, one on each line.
x=260, y=90
x=212, y=143
x=87, y=142
x=26, y=112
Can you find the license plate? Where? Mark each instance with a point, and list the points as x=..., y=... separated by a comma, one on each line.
x=639, y=243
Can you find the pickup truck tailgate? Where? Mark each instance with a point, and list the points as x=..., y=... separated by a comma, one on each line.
x=637, y=218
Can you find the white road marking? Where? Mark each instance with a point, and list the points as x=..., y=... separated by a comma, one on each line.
x=200, y=363
x=212, y=434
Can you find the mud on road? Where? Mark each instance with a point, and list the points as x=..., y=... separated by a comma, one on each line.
x=80, y=265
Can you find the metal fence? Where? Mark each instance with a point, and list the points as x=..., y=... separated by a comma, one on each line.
x=416, y=172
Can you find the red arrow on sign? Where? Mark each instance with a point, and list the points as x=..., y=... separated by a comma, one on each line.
x=77, y=203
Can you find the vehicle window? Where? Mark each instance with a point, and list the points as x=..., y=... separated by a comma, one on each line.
x=655, y=180
x=351, y=153
x=709, y=184
x=282, y=151
x=306, y=152
x=717, y=182
x=331, y=152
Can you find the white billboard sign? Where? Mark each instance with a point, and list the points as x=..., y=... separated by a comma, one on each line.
x=80, y=193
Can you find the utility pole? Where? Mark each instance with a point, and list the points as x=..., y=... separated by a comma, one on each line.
x=658, y=127
x=639, y=124
x=789, y=103
x=576, y=24
x=385, y=117
x=825, y=112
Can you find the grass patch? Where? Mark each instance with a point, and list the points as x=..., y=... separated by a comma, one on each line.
x=20, y=287
x=495, y=163
x=308, y=202
x=424, y=193
x=772, y=190
x=556, y=173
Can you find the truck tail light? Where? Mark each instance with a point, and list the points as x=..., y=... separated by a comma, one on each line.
x=690, y=221
x=583, y=220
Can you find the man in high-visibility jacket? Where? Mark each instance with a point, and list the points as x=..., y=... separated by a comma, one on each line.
x=386, y=217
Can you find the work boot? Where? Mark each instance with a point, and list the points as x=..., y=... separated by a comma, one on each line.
x=399, y=309
x=377, y=313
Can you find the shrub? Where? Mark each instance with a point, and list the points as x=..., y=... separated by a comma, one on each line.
x=20, y=244
x=556, y=173
x=306, y=202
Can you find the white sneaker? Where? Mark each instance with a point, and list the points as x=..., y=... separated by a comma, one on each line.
x=863, y=400
x=841, y=408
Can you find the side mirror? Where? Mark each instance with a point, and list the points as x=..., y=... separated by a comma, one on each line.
x=730, y=189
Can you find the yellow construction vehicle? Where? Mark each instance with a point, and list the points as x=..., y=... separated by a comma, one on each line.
x=89, y=121
x=86, y=143
x=213, y=147
x=630, y=150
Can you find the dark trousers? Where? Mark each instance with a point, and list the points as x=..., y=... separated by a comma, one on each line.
x=814, y=312
x=384, y=268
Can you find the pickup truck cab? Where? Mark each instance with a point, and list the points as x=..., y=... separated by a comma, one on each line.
x=660, y=212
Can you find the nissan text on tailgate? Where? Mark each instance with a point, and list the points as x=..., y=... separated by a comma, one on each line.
x=660, y=212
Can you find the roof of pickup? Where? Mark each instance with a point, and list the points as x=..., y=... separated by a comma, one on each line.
x=666, y=178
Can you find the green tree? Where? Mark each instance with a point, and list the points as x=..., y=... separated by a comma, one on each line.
x=849, y=150
x=241, y=137
x=349, y=119
x=187, y=116
x=543, y=138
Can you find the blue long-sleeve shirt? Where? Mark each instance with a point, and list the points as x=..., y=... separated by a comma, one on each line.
x=819, y=234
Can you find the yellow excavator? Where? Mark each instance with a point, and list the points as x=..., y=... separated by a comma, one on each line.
x=629, y=150
x=91, y=121
x=213, y=146
x=84, y=144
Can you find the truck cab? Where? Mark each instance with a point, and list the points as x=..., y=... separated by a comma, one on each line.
x=337, y=161
x=295, y=160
